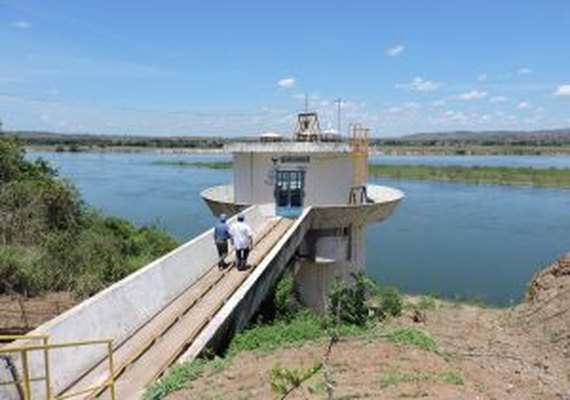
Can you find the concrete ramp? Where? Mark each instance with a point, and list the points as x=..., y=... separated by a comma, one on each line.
x=178, y=305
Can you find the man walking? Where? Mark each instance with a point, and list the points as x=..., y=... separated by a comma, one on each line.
x=242, y=238
x=221, y=237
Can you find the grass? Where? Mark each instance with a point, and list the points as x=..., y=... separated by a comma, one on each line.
x=177, y=378
x=413, y=337
x=559, y=178
x=397, y=377
x=196, y=164
x=304, y=327
x=427, y=302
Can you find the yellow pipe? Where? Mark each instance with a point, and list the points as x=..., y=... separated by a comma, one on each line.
x=111, y=370
x=47, y=368
x=27, y=388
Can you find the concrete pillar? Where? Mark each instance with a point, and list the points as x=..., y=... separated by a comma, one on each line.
x=327, y=255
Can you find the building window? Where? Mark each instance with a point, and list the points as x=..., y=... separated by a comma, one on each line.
x=289, y=188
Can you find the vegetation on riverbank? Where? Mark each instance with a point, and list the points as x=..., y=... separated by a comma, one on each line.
x=552, y=177
x=354, y=311
x=407, y=149
x=52, y=241
x=542, y=142
x=196, y=164
x=435, y=348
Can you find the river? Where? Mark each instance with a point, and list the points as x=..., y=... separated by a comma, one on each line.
x=453, y=239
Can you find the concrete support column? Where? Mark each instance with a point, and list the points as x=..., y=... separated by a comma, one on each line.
x=328, y=255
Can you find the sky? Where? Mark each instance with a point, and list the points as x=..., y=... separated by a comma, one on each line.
x=232, y=68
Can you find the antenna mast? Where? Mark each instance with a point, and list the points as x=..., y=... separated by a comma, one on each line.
x=338, y=111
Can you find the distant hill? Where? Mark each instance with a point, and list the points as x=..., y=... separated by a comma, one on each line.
x=41, y=138
x=78, y=142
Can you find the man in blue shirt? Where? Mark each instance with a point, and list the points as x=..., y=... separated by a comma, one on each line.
x=221, y=237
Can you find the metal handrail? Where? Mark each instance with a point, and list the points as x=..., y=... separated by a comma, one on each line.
x=27, y=379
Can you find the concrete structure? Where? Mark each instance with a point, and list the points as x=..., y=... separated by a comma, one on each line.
x=120, y=311
x=299, y=198
x=329, y=177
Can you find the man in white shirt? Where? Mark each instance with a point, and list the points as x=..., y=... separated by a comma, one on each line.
x=242, y=238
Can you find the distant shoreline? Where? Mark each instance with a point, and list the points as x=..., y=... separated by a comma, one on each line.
x=383, y=150
x=125, y=149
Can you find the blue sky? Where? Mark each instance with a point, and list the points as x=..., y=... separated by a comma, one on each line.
x=243, y=67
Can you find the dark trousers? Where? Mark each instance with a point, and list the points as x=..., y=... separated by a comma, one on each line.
x=222, y=252
x=241, y=256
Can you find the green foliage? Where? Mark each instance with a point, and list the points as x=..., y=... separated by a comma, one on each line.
x=390, y=303
x=347, y=302
x=196, y=164
x=413, y=337
x=13, y=166
x=398, y=377
x=285, y=300
x=303, y=327
x=427, y=302
x=50, y=240
x=19, y=270
x=485, y=175
x=452, y=378
x=177, y=378
x=284, y=380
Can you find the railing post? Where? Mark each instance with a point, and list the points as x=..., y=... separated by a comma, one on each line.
x=26, y=377
x=111, y=370
x=47, y=374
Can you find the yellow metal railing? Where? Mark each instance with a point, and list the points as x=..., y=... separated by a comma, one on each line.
x=24, y=384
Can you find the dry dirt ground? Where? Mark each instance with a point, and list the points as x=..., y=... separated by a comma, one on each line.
x=19, y=314
x=483, y=353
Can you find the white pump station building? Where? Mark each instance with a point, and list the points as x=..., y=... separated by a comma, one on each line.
x=313, y=170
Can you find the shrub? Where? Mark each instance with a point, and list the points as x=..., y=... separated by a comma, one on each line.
x=285, y=300
x=52, y=241
x=347, y=301
x=391, y=303
x=18, y=270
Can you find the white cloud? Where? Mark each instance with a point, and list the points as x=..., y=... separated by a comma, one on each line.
x=396, y=50
x=473, y=95
x=455, y=116
x=419, y=84
x=393, y=110
x=523, y=105
x=412, y=105
x=482, y=77
x=562, y=90
x=287, y=83
x=524, y=71
x=498, y=99
x=21, y=24
x=438, y=103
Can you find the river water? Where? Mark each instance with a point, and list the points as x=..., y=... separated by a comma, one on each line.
x=453, y=239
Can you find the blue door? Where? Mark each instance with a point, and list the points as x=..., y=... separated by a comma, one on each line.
x=289, y=193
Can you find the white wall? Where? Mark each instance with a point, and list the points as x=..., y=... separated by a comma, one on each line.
x=328, y=177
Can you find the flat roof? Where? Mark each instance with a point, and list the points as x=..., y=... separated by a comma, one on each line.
x=288, y=147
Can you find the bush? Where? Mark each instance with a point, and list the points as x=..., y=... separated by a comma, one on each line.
x=347, y=302
x=391, y=303
x=285, y=300
x=19, y=270
x=52, y=241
